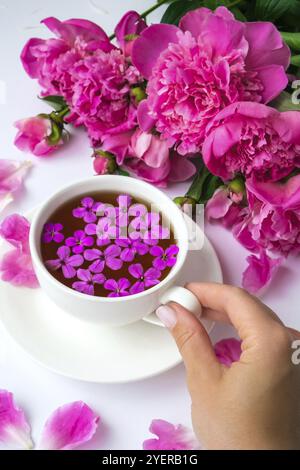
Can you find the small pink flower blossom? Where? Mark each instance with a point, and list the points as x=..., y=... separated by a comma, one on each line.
x=69, y=427
x=170, y=437
x=79, y=241
x=164, y=258
x=145, y=279
x=14, y=428
x=118, y=288
x=87, y=211
x=52, y=233
x=103, y=238
x=131, y=248
x=33, y=136
x=228, y=351
x=110, y=258
x=87, y=282
x=192, y=75
x=253, y=139
x=66, y=262
x=12, y=174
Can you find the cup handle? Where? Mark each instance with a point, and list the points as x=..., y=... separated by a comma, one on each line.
x=181, y=296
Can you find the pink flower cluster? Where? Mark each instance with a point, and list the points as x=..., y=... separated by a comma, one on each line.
x=80, y=258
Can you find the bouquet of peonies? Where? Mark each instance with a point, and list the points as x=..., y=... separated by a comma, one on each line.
x=205, y=93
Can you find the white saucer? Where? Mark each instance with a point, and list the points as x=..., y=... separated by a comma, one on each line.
x=92, y=353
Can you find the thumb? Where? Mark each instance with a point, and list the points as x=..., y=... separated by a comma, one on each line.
x=193, y=342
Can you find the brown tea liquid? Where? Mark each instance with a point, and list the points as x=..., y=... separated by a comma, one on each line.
x=64, y=216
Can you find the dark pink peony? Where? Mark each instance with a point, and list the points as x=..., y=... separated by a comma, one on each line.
x=50, y=61
x=128, y=29
x=101, y=94
x=253, y=139
x=209, y=62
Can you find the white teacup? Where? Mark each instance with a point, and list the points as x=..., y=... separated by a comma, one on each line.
x=114, y=311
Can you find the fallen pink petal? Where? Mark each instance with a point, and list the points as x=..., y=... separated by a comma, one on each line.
x=68, y=427
x=12, y=174
x=170, y=437
x=260, y=271
x=14, y=428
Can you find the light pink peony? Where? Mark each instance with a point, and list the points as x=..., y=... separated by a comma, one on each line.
x=253, y=139
x=150, y=158
x=209, y=62
x=34, y=136
x=101, y=94
x=50, y=61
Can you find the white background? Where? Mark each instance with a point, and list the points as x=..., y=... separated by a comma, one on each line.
x=126, y=410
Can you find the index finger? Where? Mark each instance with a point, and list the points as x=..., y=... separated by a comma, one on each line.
x=245, y=312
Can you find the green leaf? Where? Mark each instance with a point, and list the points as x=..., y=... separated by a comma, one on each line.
x=121, y=172
x=211, y=184
x=57, y=102
x=295, y=60
x=271, y=10
x=176, y=10
x=292, y=40
x=212, y=4
x=284, y=102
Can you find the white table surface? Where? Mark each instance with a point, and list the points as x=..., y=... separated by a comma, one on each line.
x=126, y=410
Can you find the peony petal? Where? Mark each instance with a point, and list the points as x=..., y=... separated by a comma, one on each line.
x=182, y=168
x=72, y=29
x=145, y=121
x=68, y=427
x=274, y=80
x=266, y=45
x=12, y=174
x=228, y=351
x=218, y=206
x=15, y=230
x=285, y=195
x=14, y=428
x=260, y=271
x=170, y=437
x=16, y=268
x=152, y=42
x=130, y=24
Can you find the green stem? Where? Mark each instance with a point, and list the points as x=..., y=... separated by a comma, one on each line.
x=195, y=190
x=233, y=4
x=146, y=13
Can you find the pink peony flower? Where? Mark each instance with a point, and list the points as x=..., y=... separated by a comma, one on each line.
x=149, y=158
x=253, y=139
x=101, y=94
x=228, y=351
x=170, y=437
x=50, y=61
x=34, y=136
x=192, y=74
x=128, y=29
x=68, y=427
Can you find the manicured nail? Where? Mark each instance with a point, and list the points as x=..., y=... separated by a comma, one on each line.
x=167, y=316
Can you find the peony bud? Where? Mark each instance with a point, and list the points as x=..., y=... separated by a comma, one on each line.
x=104, y=163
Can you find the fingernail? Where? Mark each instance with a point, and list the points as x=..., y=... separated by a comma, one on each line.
x=167, y=316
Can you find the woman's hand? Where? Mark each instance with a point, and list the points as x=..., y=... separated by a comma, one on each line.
x=254, y=404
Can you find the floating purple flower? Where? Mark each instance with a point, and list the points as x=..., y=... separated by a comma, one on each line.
x=155, y=234
x=79, y=241
x=65, y=262
x=88, y=210
x=52, y=233
x=145, y=279
x=118, y=288
x=131, y=248
x=87, y=282
x=102, y=238
x=144, y=220
x=123, y=209
x=164, y=258
x=110, y=258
